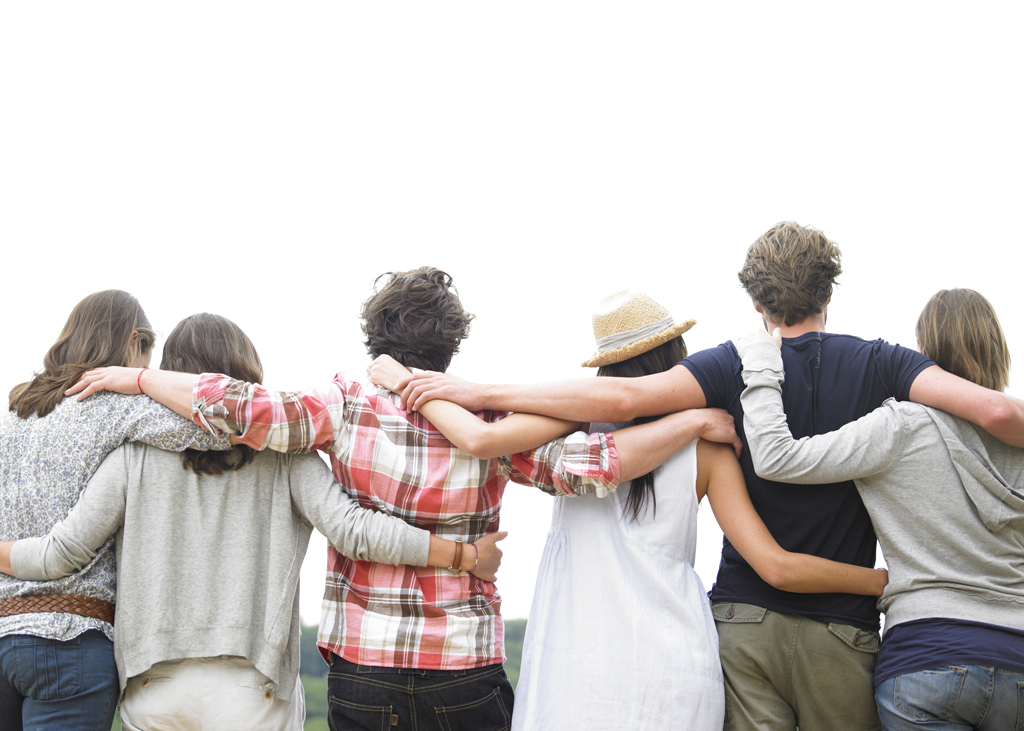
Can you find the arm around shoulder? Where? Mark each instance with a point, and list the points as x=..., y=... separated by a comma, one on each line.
x=999, y=414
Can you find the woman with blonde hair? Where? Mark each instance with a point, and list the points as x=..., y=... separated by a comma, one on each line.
x=947, y=502
x=57, y=666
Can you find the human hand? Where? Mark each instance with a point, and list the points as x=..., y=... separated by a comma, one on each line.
x=386, y=371
x=883, y=579
x=490, y=556
x=419, y=388
x=758, y=336
x=112, y=378
x=720, y=427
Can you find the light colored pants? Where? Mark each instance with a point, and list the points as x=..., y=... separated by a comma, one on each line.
x=783, y=671
x=207, y=693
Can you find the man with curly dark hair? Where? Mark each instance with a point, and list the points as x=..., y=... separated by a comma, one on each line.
x=788, y=659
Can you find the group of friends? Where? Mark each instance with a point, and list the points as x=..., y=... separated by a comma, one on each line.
x=156, y=520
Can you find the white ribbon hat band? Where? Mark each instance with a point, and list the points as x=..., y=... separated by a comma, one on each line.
x=620, y=340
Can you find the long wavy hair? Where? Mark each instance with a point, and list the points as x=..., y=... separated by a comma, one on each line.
x=655, y=360
x=99, y=332
x=206, y=343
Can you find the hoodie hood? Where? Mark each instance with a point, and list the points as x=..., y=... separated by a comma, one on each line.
x=992, y=472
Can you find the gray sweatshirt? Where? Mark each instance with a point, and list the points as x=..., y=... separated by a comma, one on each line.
x=946, y=498
x=209, y=565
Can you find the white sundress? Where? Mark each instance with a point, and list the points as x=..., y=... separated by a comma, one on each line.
x=620, y=634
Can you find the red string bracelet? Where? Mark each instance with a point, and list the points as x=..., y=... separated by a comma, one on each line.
x=477, y=562
x=138, y=381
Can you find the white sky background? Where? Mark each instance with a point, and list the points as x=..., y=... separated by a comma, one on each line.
x=268, y=162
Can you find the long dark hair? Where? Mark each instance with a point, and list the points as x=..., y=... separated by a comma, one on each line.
x=655, y=360
x=98, y=333
x=206, y=343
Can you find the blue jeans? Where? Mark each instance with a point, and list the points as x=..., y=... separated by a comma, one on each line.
x=953, y=697
x=46, y=684
x=395, y=699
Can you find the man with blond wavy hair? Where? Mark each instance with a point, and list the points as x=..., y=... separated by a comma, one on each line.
x=789, y=659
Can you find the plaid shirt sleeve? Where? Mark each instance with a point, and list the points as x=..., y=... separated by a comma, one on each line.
x=284, y=421
x=577, y=464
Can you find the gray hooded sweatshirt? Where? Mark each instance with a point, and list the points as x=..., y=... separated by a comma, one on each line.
x=946, y=498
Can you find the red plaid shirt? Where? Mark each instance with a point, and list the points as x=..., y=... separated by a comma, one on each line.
x=396, y=462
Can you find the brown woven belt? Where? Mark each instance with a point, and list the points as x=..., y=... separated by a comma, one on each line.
x=86, y=606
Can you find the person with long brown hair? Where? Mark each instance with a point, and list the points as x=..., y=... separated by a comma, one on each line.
x=947, y=501
x=57, y=667
x=209, y=546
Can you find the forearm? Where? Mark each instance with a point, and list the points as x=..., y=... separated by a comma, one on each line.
x=46, y=558
x=586, y=400
x=484, y=440
x=801, y=573
x=5, y=557
x=442, y=554
x=1001, y=415
x=644, y=447
x=173, y=390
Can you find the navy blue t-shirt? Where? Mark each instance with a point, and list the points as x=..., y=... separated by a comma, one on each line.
x=831, y=380
x=926, y=644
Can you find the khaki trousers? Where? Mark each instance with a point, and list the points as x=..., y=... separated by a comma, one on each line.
x=783, y=671
x=208, y=694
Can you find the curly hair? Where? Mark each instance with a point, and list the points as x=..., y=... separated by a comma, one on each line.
x=416, y=318
x=959, y=330
x=790, y=271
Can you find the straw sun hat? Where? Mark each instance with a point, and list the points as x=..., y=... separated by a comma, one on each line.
x=629, y=323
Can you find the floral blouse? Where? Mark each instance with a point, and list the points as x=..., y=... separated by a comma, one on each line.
x=46, y=463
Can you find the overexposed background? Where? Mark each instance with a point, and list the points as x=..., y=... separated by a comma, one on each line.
x=267, y=162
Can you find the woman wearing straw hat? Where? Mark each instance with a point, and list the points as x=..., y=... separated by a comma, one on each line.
x=621, y=633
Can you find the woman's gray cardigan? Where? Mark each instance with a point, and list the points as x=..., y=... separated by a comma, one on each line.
x=209, y=565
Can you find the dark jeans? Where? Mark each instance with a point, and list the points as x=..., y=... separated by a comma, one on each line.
x=46, y=684
x=396, y=699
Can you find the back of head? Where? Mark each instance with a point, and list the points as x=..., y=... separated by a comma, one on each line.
x=959, y=330
x=206, y=343
x=790, y=271
x=416, y=318
x=99, y=332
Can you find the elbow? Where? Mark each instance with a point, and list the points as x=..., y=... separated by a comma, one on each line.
x=622, y=405
x=1002, y=418
x=482, y=447
x=779, y=575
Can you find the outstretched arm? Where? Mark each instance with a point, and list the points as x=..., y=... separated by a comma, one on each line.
x=640, y=448
x=173, y=390
x=720, y=477
x=585, y=400
x=999, y=414
x=363, y=534
x=484, y=440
